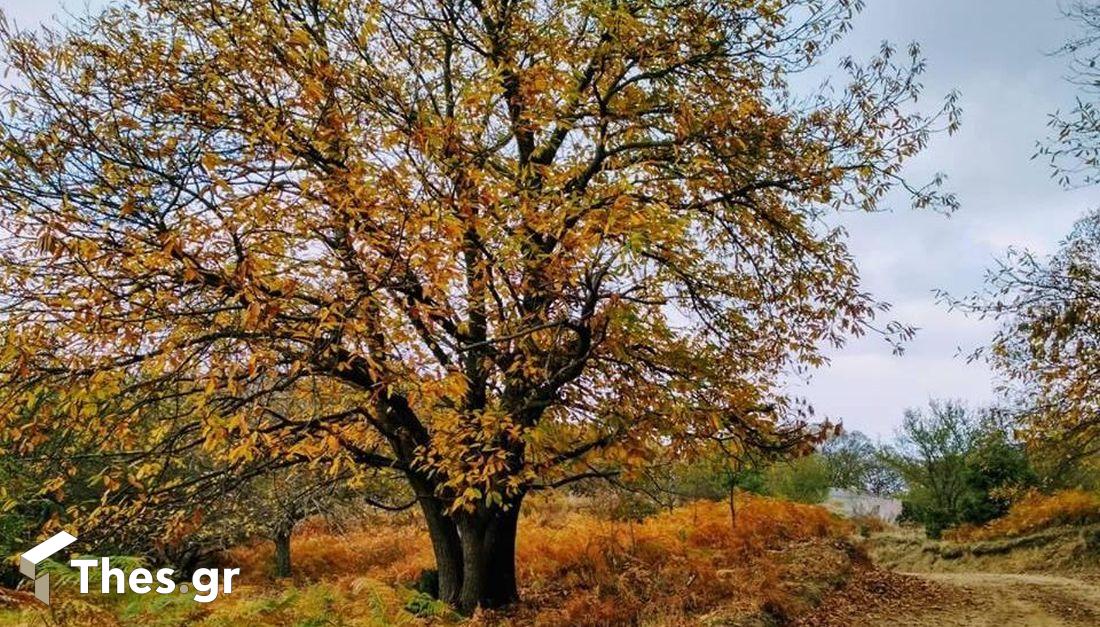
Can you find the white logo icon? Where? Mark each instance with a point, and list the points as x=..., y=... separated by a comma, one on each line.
x=29, y=560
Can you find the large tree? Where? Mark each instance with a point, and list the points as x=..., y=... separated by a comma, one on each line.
x=502, y=244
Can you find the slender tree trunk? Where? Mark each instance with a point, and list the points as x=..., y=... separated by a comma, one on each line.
x=733, y=507
x=282, y=550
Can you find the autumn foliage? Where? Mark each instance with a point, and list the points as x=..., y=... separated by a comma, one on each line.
x=579, y=568
x=486, y=247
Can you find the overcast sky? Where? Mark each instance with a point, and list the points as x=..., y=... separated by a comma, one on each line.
x=996, y=53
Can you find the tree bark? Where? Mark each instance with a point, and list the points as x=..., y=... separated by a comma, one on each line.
x=489, y=558
x=282, y=551
x=475, y=552
x=445, y=544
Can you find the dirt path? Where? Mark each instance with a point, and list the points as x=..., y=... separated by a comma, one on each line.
x=880, y=598
x=1000, y=600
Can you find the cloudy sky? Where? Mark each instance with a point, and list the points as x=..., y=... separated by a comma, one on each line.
x=997, y=55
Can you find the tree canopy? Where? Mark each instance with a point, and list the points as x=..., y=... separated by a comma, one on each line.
x=1048, y=345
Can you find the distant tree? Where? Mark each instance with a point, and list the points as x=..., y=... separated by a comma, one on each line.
x=857, y=463
x=271, y=506
x=930, y=453
x=712, y=477
x=722, y=473
x=805, y=479
x=959, y=466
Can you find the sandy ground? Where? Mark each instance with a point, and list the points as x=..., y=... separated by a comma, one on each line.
x=880, y=598
x=995, y=599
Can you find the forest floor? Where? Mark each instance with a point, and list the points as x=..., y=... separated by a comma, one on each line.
x=694, y=565
x=779, y=563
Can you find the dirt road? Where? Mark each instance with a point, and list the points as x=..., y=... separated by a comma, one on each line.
x=880, y=598
x=1001, y=600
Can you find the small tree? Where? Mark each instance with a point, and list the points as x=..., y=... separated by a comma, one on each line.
x=959, y=466
x=276, y=503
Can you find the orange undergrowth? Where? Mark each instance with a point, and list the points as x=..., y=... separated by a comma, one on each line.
x=393, y=550
x=1035, y=512
x=667, y=569
x=578, y=568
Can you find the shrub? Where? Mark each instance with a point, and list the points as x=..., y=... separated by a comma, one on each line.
x=1036, y=512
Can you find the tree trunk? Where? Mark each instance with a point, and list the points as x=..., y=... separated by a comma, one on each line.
x=475, y=553
x=282, y=551
x=489, y=558
x=733, y=507
x=445, y=544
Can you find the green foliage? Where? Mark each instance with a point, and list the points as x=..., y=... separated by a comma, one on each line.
x=804, y=480
x=424, y=606
x=856, y=463
x=751, y=480
x=714, y=476
x=633, y=506
x=961, y=467
x=997, y=469
x=708, y=478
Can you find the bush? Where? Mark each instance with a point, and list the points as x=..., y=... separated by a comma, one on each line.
x=1034, y=513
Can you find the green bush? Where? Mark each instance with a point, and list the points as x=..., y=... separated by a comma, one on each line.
x=961, y=467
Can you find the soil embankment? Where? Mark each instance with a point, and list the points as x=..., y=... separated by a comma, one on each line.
x=1046, y=579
